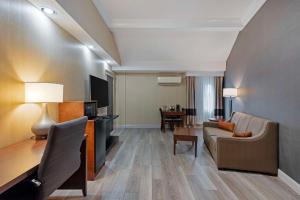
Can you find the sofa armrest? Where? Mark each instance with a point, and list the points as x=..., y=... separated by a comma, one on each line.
x=234, y=145
x=210, y=124
x=251, y=154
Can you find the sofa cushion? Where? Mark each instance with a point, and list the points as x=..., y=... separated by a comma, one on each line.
x=217, y=132
x=227, y=126
x=235, y=118
x=257, y=125
x=242, y=123
x=210, y=137
x=213, y=146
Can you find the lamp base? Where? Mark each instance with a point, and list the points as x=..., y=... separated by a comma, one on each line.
x=40, y=137
x=43, y=124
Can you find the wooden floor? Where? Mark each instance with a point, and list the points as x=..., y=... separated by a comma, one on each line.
x=143, y=167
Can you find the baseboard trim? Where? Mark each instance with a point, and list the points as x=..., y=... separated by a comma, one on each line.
x=140, y=126
x=289, y=181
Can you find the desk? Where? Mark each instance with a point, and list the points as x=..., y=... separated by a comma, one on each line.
x=21, y=160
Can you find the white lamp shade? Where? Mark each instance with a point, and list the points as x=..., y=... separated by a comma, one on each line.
x=230, y=92
x=43, y=92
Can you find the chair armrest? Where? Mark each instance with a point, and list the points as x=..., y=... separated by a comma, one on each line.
x=210, y=124
x=36, y=183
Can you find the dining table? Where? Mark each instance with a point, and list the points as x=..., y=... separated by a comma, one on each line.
x=174, y=114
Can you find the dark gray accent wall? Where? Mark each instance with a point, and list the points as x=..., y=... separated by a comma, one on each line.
x=265, y=65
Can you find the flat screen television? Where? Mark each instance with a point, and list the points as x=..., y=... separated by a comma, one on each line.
x=99, y=91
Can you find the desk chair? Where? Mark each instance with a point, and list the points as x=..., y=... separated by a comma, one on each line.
x=60, y=161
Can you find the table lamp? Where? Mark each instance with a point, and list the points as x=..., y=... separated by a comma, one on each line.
x=230, y=93
x=43, y=93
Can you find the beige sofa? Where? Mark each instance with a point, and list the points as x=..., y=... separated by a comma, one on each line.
x=258, y=153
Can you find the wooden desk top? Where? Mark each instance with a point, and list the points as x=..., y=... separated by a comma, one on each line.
x=18, y=161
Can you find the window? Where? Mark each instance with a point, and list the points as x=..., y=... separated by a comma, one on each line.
x=205, y=98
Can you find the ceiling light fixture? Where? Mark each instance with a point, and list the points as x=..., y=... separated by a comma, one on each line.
x=48, y=11
x=90, y=46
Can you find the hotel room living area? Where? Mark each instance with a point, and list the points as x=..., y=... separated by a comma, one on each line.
x=107, y=99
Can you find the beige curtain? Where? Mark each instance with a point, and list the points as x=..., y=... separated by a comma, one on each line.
x=219, y=109
x=191, y=103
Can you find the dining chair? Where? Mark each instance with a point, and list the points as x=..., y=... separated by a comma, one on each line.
x=61, y=159
x=164, y=121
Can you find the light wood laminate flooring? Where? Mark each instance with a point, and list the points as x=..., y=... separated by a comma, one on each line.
x=142, y=166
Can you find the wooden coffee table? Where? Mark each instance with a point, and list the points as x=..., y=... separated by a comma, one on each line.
x=186, y=134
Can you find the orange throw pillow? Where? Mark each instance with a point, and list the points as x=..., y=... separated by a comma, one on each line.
x=226, y=126
x=242, y=134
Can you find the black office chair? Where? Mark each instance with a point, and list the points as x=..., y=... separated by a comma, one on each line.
x=60, y=161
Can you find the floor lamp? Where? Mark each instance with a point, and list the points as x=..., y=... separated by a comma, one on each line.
x=230, y=93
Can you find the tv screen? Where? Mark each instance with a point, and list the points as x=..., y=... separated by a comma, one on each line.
x=99, y=91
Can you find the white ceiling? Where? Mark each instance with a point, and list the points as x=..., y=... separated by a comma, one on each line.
x=176, y=35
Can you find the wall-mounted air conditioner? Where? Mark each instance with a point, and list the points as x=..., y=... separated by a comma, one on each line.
x=169, y=80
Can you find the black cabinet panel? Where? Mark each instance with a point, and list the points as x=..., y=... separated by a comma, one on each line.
x=103, y=140
x=109, y=129
x=103, y=128
x=100, y=143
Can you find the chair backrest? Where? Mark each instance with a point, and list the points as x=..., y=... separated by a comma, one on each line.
x=191, y=111
x=62, y=155
x=161, y=113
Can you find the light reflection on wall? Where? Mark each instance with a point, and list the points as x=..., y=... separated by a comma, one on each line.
x=18, y=121
x=236, y=80
x=88, y=54
x=24, y=60
x=106, y=66
x=41, y=28
x=35, y=49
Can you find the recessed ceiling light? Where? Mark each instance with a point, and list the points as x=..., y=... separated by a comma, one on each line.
x=108, y=61
x=90, y=46
x=48, y=11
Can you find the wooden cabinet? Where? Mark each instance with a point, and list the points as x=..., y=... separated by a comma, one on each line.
x=75, y=109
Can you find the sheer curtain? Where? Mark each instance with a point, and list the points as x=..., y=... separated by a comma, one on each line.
x=205, y=98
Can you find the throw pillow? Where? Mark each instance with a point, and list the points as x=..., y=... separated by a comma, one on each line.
x=226, y=126
x=242, y=134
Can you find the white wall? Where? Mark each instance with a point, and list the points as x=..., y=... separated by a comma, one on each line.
x=138, y=98
x=86, y=14
x=34, y=49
